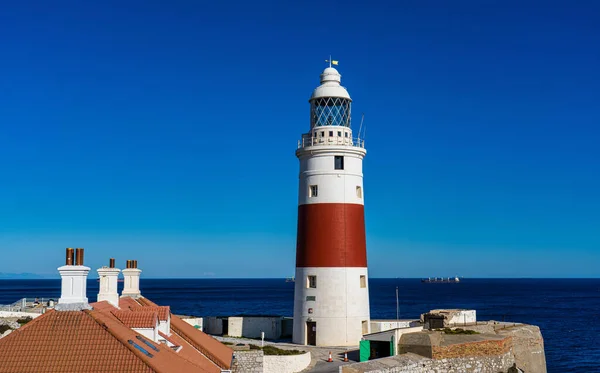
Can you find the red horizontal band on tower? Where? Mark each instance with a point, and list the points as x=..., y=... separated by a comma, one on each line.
x=331, y=235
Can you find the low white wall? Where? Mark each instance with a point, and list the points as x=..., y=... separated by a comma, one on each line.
x=285, y=363
x=195, y=321
x=19, y=314
x=252, y=326
x=383, y=325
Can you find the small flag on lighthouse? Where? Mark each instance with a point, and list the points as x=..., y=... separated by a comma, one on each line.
x=333, y=62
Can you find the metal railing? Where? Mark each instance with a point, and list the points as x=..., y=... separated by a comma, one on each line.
x=35, y=305
x=325, y=141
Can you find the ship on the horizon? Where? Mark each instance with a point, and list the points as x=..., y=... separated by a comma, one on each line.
x=290, y=279
x=448, y=280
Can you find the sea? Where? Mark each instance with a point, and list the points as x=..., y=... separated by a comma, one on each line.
x=566, y=310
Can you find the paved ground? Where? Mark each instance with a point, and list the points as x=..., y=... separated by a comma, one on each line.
x=319, y=355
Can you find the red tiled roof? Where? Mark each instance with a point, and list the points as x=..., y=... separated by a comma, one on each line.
x=103, y=306
x=66, y=342
x=214, y=350
x=162, y=311
x=217, y=352
x=140, y=319
x=169, y=338
x=127, y=302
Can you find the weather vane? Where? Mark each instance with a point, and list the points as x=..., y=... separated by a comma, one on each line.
x=331, y=62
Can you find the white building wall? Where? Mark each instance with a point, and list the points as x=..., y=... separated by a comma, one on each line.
x=334, y=186
x=195, y=321
x=108, y=285
x=464, y=317
x=340, y=307
x=383, y=325
x=151, y=334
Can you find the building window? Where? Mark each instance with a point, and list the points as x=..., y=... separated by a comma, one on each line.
x=358, y=192
x=311, y=282
x=316, y=134
x=330, y=133
x=363, y=281
x=345, y=134
x=311, y=298
x=339, y=133
x=339, y=162
x=322, y=133
x=313, y=190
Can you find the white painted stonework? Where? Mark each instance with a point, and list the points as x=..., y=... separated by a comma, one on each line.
x=195, y=321
x=340, y=307
x=131, y=286
x=73, y=284
x=285, y=363
x=383, y=325
x=108, y=285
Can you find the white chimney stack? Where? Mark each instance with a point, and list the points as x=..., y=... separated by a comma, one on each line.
x=74, y=274
x=131, y=274
x=108, y=283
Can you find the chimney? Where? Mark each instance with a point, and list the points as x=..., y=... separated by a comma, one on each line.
x=108, y=283
x=131, y=288
x=74, y=282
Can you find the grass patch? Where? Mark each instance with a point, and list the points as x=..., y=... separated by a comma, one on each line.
x=458, y=331
x=24, y=320
x=272, y=350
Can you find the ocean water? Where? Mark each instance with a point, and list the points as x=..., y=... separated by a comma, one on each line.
x=566, y=310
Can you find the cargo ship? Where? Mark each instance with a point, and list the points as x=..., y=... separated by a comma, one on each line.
x=441, y=280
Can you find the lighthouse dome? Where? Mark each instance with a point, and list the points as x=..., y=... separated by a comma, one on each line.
x=330, y=85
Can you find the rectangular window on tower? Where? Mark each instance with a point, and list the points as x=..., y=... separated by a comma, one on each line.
x=363, y=281
x=339, y=162
x=330, y=133
x=313, y=190
x=311, y=282
x=358, y=192
x=339, y=133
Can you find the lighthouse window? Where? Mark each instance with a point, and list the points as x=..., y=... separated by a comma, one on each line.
x=358, y=192
x=330, y=133
x=345, y=134
x=339, y=133
x=322, y=133
x=339, y=162
x=313, y=190
x=311, y=282
x=363, y=281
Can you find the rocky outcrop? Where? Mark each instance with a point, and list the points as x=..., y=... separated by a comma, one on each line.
x=528, y=347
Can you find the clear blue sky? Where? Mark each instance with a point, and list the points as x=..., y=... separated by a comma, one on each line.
x=165, y=131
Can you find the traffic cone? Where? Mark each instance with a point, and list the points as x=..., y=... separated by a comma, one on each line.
x=330, y=360
x=345, y=357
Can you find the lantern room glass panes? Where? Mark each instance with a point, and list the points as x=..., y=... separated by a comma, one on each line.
x=330, y=111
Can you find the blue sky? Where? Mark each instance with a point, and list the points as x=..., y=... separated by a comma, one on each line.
x=165, y=132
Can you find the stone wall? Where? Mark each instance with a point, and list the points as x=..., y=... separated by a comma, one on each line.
x=247, y=362
x=528, y=347
x=252, y=326
x=411, y=363
x=286, y=363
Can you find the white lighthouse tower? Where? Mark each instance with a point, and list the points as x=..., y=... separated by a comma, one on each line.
x=331, y=297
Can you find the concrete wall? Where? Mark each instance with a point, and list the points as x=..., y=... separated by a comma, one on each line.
x=339, y=308
x=247, y=362
x=213, y=325
x=383, y=325
x=195, y=321
x=463, y=317
x=528, y=347
x=251, y=327
x=286, y=363
x=410, y=363
x=386, y=336
x=19, y=314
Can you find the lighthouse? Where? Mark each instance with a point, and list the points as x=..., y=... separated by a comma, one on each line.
x=331, y=295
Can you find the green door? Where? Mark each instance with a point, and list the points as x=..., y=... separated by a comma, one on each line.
x=365, y=350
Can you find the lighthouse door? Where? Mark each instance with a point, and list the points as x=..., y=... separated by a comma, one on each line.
x=311, y=333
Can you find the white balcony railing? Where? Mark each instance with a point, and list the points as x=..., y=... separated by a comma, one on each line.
x=307, y=141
